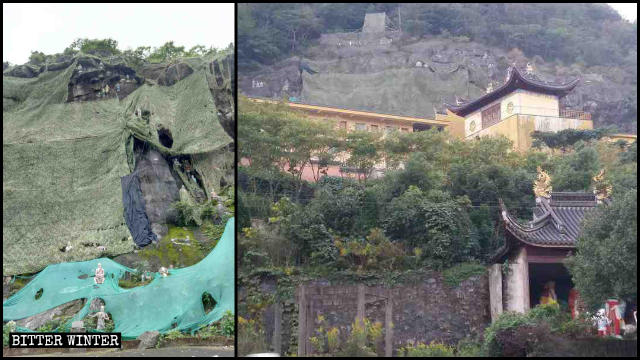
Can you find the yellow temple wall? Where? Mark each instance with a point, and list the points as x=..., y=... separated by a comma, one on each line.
x=534, y=104
x=518, y=128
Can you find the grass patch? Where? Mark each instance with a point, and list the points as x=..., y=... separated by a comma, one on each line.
x=455, y=275
x=169, y=253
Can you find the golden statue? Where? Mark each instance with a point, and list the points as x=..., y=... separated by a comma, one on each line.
x=602, y=187
x=542, y=185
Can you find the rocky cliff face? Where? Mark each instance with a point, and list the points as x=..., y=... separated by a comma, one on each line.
x=392, y=74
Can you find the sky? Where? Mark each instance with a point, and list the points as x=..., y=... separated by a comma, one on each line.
x=51, y=28
x=628, y=11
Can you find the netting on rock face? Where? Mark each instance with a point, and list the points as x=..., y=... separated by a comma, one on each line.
x=420, y=90
x=62, y=161
x=165, y=304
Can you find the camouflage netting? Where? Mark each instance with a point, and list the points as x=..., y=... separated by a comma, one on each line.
x=62, y=161
x=420, y=90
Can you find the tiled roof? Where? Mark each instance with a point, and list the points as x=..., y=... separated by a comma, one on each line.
x=516, y=80
x=557, y=221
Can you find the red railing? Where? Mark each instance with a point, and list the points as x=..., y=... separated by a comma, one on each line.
x=575, y=114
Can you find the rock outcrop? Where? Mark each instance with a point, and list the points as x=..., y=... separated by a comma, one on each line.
x=166, y=75
x=413, y=76
x=159, y=189
x=36, y=321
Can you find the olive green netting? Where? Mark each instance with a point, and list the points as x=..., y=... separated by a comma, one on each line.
x=62, y=162
x=186, y=109
x=409, y=91
x=165, y=304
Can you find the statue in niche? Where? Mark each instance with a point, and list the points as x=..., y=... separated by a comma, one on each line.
x=99, y=278
x=549, y=294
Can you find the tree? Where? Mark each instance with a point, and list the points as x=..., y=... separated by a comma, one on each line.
x=166, y=52
x=364, y=150
x=95, y=46
x=605, y=264
x=37, y=58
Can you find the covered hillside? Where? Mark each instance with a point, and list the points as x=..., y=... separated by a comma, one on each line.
x=435, y=53
x=87, y=136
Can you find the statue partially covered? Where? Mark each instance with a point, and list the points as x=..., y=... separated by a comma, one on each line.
x=99, y=278
x=102, y=316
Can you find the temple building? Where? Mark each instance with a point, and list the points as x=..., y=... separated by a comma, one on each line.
x=530, y=263
x=523, y=104
x=517, y=108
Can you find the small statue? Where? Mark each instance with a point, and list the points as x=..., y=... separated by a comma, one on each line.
x=68, y=247
x=542, y=185
x=602, y=322
x=163, y=271
x=102, y=316
x=615, y=315
x=529, y=70
x=489, y=87
x=549, y=294
x=576, y=305
x=99, y=279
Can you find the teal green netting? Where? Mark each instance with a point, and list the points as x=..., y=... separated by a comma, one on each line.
x=167, y=303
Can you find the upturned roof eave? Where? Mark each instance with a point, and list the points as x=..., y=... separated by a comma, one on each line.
x=516, y=81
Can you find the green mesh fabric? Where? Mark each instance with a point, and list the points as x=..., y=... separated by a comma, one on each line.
x=165, y=304
x=420, y=90
x=62, y=162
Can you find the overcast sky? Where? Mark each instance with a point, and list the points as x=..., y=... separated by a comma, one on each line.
x=50, y=28
x=628, y=11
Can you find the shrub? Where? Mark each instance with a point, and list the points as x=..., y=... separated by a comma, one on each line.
x=250, y=337
x=461, y=272
x=434, y=349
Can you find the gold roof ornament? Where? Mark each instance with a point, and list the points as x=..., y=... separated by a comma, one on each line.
x=602, y=188
x=542, y=184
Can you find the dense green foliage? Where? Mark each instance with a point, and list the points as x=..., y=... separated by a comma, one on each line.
x=592, y=34
x=606, y=264
x=567, y=137
x=439, y=209
x=544, y=330
x=135, y=57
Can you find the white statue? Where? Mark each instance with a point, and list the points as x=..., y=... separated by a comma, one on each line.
x=529, y=70
x=102, y=316
x=99, y=279
x=163, y=271
x=68, y=247
x=602, y=322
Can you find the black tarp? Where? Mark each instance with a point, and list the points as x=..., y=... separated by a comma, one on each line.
x=134, y=211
